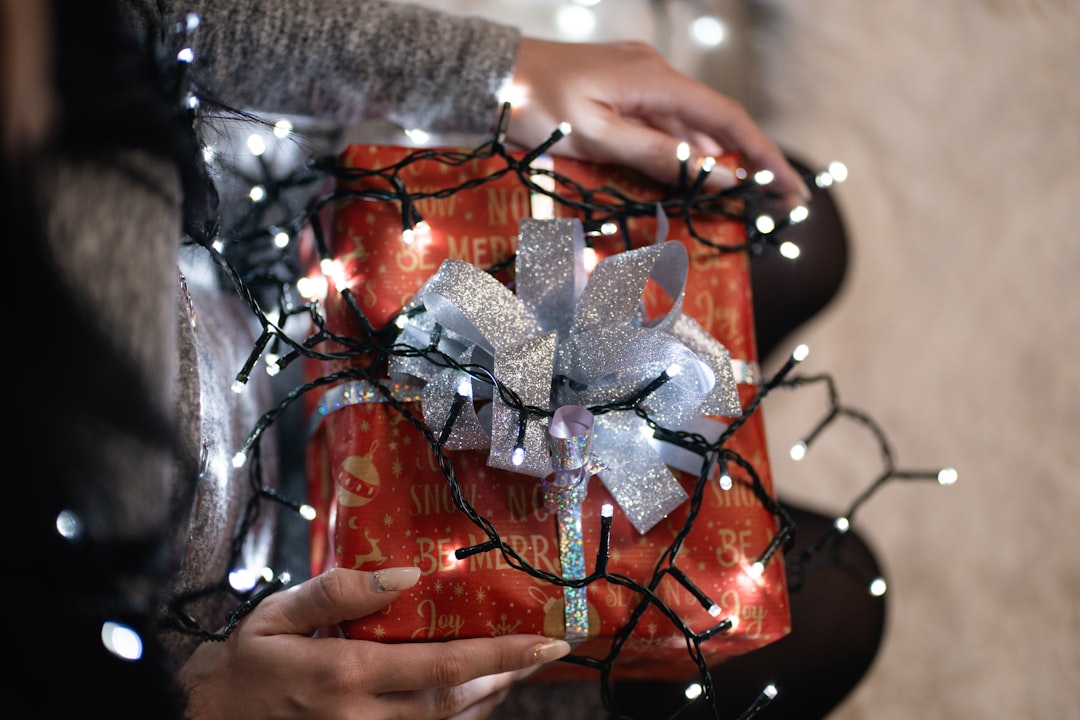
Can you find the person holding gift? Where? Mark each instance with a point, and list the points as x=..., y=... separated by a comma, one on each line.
x=121, y=495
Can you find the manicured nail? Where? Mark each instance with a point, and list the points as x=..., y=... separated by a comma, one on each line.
x=720, y=177
x=545, y=652
x=399, y=578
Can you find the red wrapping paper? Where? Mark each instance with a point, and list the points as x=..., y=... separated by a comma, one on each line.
x=383, y=500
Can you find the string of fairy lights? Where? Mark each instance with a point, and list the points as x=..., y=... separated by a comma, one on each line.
x=259, y=255
x=603, y=210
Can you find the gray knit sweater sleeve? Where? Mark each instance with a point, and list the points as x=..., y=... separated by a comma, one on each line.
x=352, y=60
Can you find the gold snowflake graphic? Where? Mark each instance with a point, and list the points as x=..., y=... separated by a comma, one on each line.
x=379, y=632
x=388, y=520
x=438, y=587
x=503, y=627
x=396, y=468
x=459, y=590
x=480, y=595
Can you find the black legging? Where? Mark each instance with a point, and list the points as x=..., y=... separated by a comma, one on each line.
x=836, y=623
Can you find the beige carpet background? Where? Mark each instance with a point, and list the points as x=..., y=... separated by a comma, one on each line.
x=959, y=327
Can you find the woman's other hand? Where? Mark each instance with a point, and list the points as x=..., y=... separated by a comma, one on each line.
x=627, y=106
x=276, y=664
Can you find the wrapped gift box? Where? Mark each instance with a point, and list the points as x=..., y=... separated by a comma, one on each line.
x=384, y=499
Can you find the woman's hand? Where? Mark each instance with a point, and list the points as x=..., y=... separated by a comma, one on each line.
x=627, y=106
x=274, y=666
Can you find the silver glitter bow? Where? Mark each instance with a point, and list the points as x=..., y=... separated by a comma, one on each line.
x=565, y=336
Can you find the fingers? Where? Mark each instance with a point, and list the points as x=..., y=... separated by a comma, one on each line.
x=655, y=153
x=328, y=599
x=472, y=700
x=628, y=106
x=417, y=666
x=727, y=120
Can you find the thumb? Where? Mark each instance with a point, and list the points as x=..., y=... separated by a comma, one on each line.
x=328, y=599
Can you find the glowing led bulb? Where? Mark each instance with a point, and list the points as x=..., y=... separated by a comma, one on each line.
x=682, y=152
x=191, y=21
x=756, y=570
x=589, y=259
x=239, y=459
x=418, y=136
x=947, y=476
x=764, y=177
x=798, y=451
x=725, y=481
x=186, y=55
x=564, y=128
x=257, y=193
x=401, y=321
x=311, y=288
x=307, y=512
x=464, y=387
x=790, y=250
x=714, y=610
x=272, y=367
x=708, y=164
x=408, y=236
x=238, y=386
x=823, y=179
x=512, y=93
x=242, y=579
x=121, y=640
x=69, y=525
x=800, y=353
x=799, y=213
x=607, y=510
x=282, y=128
x=334, y=270
x=708, y=31
x=674, y=370
x=878, y=587
x=842, y=524
x=575, y=22
x=256, y=145
x=765, y=224
x=518, y=456
x=769, y=691
x=693, y=691
x=281, y=240
x=838, y=171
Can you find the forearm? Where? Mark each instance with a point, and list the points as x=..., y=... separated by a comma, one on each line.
x=351, y=61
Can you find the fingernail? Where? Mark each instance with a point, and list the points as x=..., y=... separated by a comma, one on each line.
x=720, y=177
x=399, y=578
x=545, y=652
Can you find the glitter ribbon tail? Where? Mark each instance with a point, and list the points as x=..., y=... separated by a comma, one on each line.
x=570, y=443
